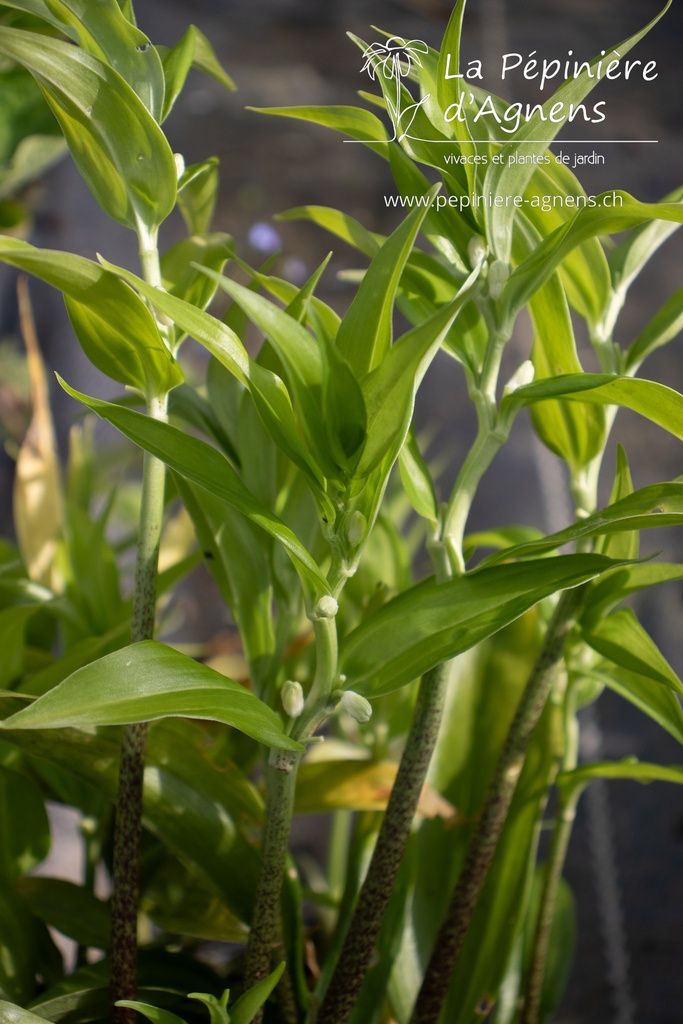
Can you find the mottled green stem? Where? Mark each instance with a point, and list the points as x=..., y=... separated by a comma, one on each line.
x=564, y=821
x=494, y=813
x=378, y=886
x=124, y=905
x=264, y=937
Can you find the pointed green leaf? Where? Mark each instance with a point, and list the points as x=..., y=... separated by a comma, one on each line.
x=71, y=909
x=622, y=639
x=508, y=178
x=365, y=334
x=10, y=1013
x=337, y=223
x=665, y=325
x=248, y=1005
x=203, y=465
x=575, y=434
x=218, y=1013
x=193, y=50
x=103, y=31
x=360, y=124
x=152, y=1013
x=629, y=257
x=624, y=546
x=656, y=701
x=197, y=195
x=629, y=768
x=270, y=394
x=430, y=622
x=389, y=390
x=417, y=480
x=145, y=682
x=117, y=146
x=650, y=507
x=116, y=329
x=655, y=401
x=613, y=212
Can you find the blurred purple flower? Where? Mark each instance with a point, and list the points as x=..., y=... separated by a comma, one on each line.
x=264, y=238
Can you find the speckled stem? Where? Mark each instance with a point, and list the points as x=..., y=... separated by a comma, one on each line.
x=124, y=908
x=374, y=895
x=483, y=844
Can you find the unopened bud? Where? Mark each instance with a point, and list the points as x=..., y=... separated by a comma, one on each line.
x=476, y=251
x=498, y=275
x=292, y=696
x=355, y=528
x=524, y=374
x=326, y=608
x=356, y=707
x=179, y=164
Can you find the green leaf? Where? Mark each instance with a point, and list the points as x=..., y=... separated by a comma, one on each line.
x=430, y=622
x=417, y=480
x=197, y=195
x=657, y=505
x=629, y=257
x=365, y=334
x=508, y=178
x=629, y=768
x=613, y=212
x=270, y=394
x=152, y=1013
x=665, y=325
x=25, y=838
x=21, y=936
x=218, y=1013
x=621, y=638
x=389, y=390
x=337, y=223
x=145, y=682
x=576, y=435
x=10, y=1013
x=248, y=1005
x=658, y=702
x=182, y=264
x=117, y=146
x=213, y=799
x=104, y=32
x=69, y=908
x=360, y=124
x=626, y=581
x=203, y=465
x=624, y=546
x=235, y=556
x=300, y=355
x=655, y=401
x=193, y=50
x=13, y=622
x=116, y=329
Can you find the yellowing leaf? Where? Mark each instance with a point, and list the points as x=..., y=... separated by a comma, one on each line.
x=37, y=486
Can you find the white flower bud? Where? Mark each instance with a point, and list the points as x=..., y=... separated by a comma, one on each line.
x=524, y=374
x=476, y=251
x=326, y=608
x=356, y=707
x=292, y=696
x=355, y=528
x=498, y=275
x=179, y=164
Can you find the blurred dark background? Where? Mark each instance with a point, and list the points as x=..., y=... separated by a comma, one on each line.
x=288, y=52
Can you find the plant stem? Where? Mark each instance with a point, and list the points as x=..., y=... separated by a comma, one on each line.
x=124, y=904
x=501, y=790
x=265, y=926
x=378, y=886
x=564, y=821
x=129, y=802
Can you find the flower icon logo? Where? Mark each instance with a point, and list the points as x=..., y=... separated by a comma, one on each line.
x=395, y=58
